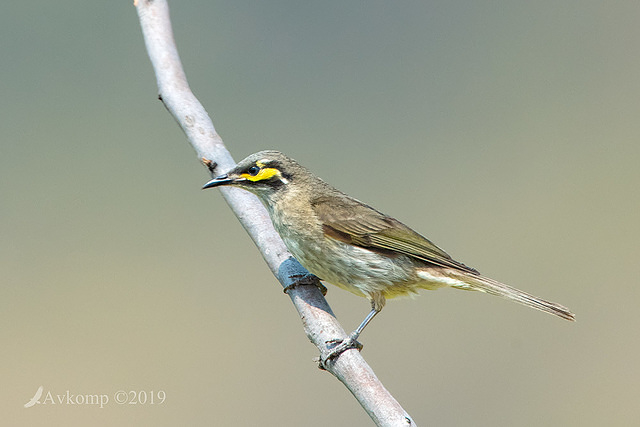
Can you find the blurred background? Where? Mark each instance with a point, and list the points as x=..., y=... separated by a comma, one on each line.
x=507, y=132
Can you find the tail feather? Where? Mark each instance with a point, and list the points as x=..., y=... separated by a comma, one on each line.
x=493, y=287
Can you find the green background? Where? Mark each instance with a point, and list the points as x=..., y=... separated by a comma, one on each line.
x=507, y=132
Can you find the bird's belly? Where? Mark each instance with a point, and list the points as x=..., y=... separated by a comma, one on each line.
x=355, y=269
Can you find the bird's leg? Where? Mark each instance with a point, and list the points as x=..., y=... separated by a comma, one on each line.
x=355, y=334
x=377, y=303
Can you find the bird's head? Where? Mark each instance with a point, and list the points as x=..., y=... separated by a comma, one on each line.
x=265, y=174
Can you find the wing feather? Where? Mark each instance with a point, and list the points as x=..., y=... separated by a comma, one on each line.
x=351, y=221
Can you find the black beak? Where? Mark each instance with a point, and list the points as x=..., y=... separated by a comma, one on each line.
x=218, y=181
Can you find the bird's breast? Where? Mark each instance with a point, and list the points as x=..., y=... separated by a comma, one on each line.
x=350, y=267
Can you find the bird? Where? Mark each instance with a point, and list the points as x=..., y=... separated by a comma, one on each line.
x=348, y=243
x=35, y=399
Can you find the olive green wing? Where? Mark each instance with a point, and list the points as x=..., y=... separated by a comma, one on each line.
x=351, y=221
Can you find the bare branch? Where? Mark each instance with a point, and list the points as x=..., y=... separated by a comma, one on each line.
x=318, y=320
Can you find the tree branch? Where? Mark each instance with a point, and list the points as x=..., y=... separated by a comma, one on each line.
x=318, y=320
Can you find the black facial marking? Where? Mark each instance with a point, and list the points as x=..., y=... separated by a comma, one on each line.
x=286, y=176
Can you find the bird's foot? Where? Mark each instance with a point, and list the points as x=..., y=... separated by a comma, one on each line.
x=340, y=346
x=305, y=279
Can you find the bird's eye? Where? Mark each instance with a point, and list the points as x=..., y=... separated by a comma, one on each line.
x=253, y=170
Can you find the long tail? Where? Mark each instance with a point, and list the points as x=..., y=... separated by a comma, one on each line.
x=493, y=287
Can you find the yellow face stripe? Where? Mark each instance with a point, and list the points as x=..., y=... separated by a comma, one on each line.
x=265, y=173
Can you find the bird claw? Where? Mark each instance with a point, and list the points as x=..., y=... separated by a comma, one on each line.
x=305, y=279
x=340, y=347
